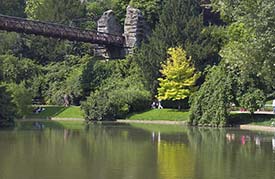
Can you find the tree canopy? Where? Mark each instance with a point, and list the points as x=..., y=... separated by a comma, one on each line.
x=179, y=76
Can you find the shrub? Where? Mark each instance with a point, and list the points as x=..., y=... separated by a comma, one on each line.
x=116, y=98
x=253, y=100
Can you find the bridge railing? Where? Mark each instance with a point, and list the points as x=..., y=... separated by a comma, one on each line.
x=53, y=30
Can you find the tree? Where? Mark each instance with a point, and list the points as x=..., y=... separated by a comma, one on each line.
x=116, y=90
x=210, y=104
x=7, y=108
x=21, y=98
x=12, y=7
x=180, y=24
x=179, y=76
x=45, y=50
x=150, y=9
x=15, y=70
x=250, y=45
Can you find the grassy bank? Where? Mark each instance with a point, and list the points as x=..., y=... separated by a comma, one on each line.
x=256, y=119
x=160, y=114
x=29, y=125
x=57, y=112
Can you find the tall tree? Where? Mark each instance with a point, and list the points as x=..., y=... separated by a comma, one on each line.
x=180, y=24
x=12, y=7
x=7, y=108
x=46, y=50
x=179, y=76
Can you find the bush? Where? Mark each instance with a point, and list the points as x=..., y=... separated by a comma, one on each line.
x=116, y=98
x=253, y=100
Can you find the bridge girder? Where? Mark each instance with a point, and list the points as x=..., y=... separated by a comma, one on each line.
x=21, y=25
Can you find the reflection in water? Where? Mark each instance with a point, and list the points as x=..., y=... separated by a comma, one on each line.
x=125, y=152
x=273, y=143
x=257, y=140
x=174, y=161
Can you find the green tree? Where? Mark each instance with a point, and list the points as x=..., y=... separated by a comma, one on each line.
x=45, y=50
x=179, y=76
x=180, y=24
x=15, y=70
x=250, y=47
x=12, y=7
x=7, y=108
x=210, y=104
x=21, y=98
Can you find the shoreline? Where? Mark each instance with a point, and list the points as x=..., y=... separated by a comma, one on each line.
x=256, y=128
x=162, y=122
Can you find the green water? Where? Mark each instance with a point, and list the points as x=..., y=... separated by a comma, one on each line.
x=136, y=152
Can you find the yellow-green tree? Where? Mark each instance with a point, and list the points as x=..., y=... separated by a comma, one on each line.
x=178, y=76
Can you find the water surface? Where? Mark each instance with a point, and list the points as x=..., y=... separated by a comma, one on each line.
x=137, y=152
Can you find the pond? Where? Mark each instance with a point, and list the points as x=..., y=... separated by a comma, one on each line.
x=137, y=152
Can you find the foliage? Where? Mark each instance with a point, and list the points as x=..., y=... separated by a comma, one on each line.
x=115, y=98
x=119, y=90
x=179, y=76
x=61, y=11
x=210, y=105
x=45, y=50
x=7, y=108
x=180, y=24
x=150, y=9
x=12, y=7
x=253, y=100
x=250, y=46
x=62, y=78
x=95, y=72
x=15, y=70
x=21, y=98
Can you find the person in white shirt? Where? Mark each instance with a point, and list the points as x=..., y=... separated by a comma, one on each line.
x=273, y=105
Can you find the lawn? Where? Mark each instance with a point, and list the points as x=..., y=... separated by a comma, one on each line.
x=161, y=114
x=57, y=112
x=256, y=119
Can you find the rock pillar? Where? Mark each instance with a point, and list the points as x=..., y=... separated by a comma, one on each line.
x=108, y=23
x=136, y=29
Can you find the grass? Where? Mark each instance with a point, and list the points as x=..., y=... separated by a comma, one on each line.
x=161, y=114
x=256, y=119
x=28, y=125
x=57, y=112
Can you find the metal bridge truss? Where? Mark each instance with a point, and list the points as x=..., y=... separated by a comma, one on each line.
x=20, y=25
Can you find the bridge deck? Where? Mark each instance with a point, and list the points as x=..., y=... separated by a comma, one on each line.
x=21, y=25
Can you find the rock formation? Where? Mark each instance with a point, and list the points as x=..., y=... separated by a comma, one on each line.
x=108, y=23
x=135, y=29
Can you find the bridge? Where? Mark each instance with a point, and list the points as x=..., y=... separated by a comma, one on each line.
x=21, y=25
x=111, y=40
